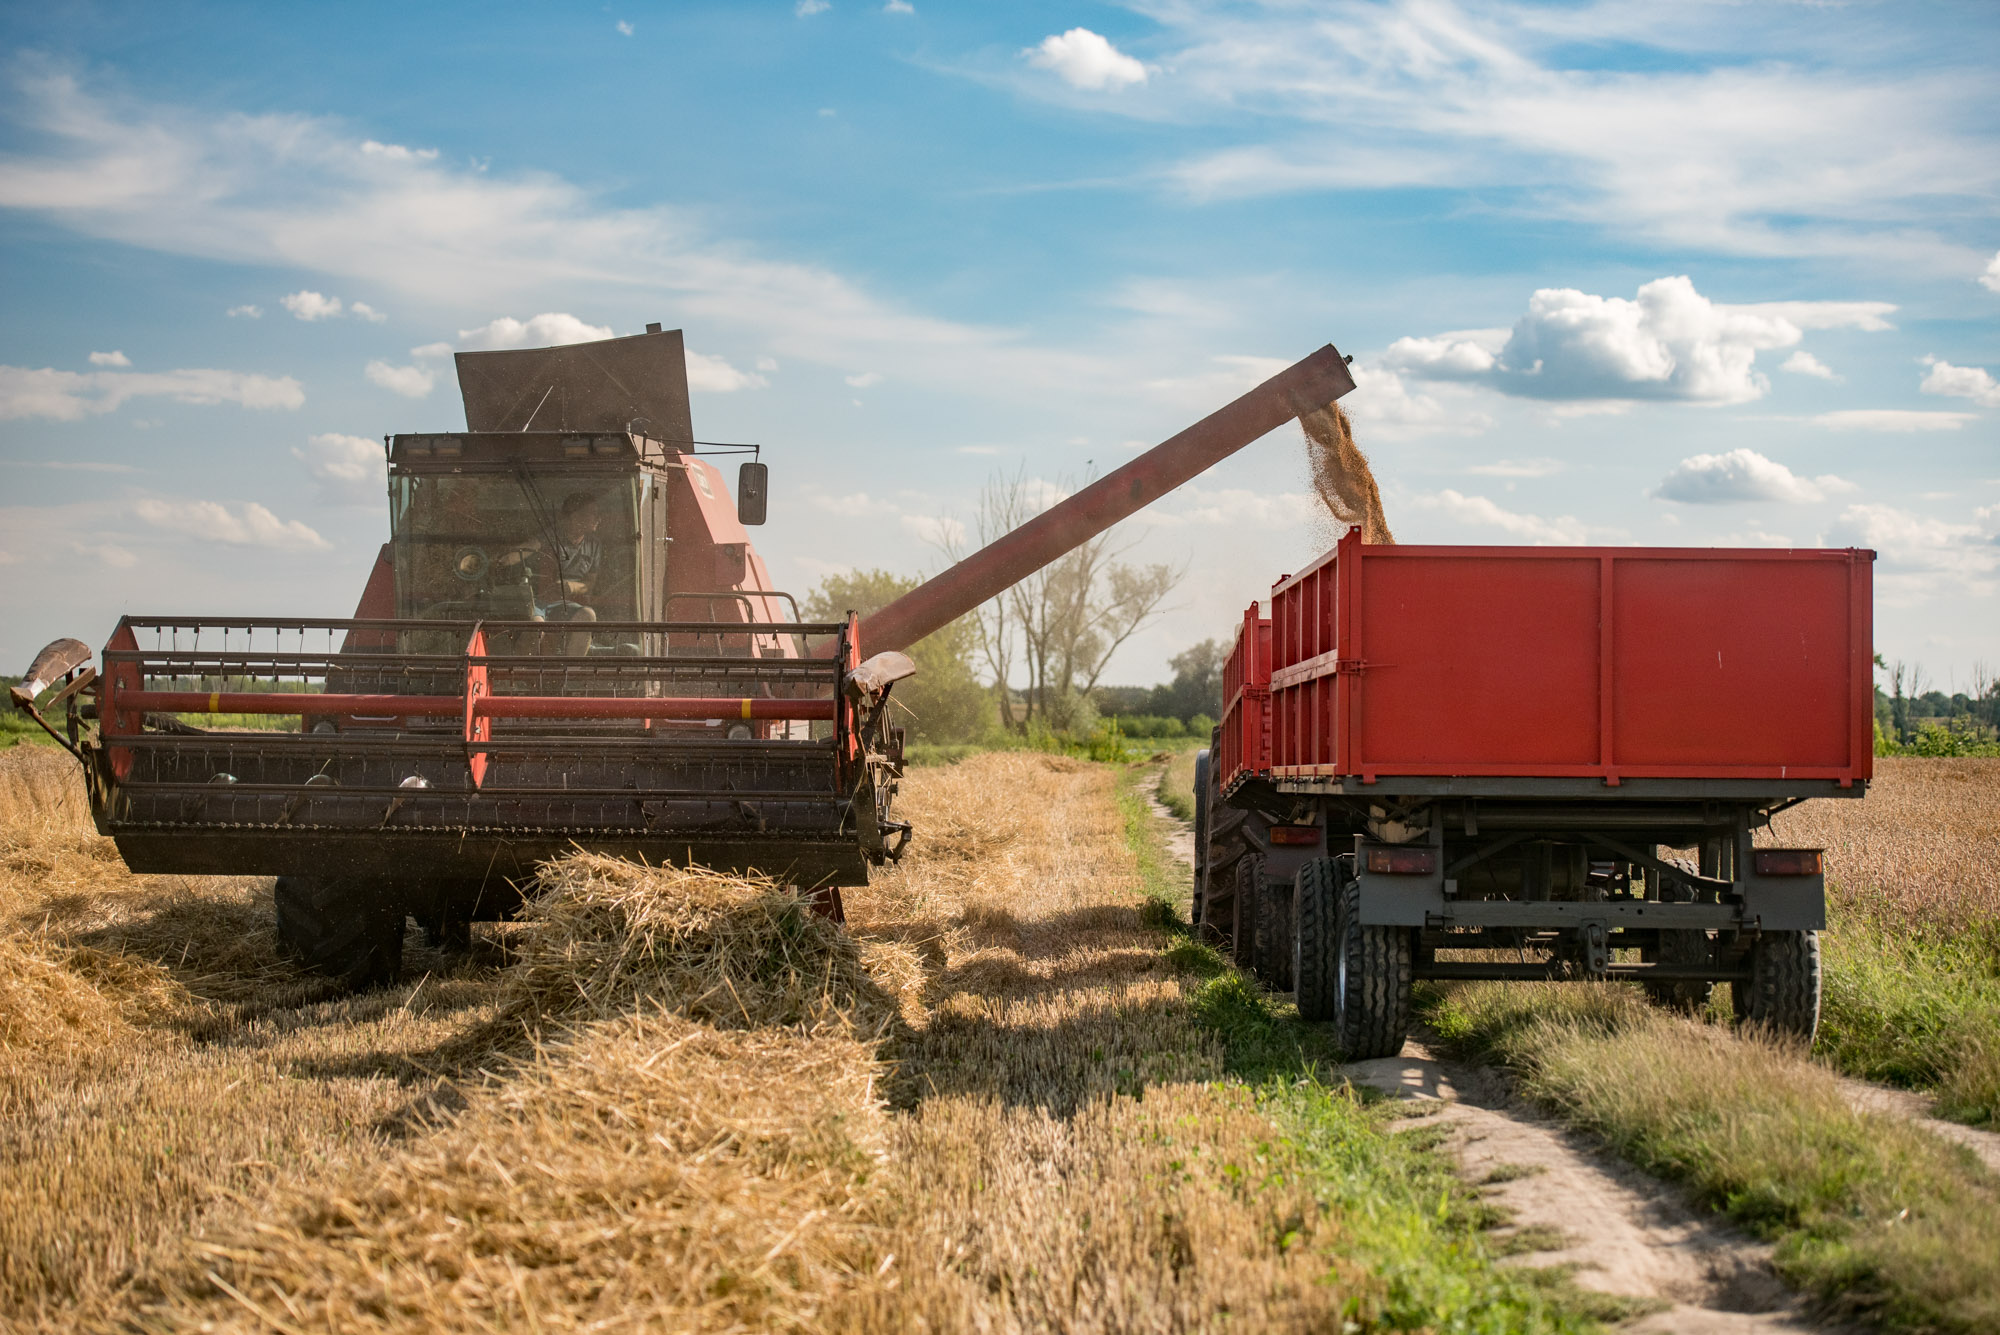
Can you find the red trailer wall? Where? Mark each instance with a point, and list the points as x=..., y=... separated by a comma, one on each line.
x=1615, y=662
x=1246, y=701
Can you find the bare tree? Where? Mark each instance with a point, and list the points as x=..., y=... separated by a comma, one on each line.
x=1068, y=618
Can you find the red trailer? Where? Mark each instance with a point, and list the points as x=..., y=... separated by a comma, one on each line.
x=1430, y=755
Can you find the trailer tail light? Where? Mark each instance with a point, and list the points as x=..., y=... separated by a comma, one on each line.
x=1787, y=862
x=1295, y=834
x=1402, y=861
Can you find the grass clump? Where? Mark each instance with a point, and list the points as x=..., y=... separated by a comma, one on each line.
x=1874, y=1215
x=1176, y=786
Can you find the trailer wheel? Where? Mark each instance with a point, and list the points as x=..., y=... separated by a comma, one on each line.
x=1782, y=992
x=1202, y=762
x=1372, y=1015
x=1274, y=929
x=1315, y=976
x=1247, y=947
x=344, y=928
x=1681, y=946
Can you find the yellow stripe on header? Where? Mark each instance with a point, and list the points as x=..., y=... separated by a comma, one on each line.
x=746, y=706
x=215, y=702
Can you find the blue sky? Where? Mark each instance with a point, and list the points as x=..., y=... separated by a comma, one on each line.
x=1611, y=273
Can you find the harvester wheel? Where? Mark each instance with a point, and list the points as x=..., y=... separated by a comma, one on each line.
x=1360, y=975
x=1782, y=992
x=1315, y=976
x=344, y=928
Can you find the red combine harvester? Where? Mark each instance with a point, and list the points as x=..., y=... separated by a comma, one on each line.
x=1473, y=762
x=568, y=641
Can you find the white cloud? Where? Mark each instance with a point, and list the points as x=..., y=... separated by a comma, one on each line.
x=865, y=379
x=851, y=505
x=68, y=396
x=717, y=376
x=1083, y=59
x=542, y=331
x=1479, y=512
x=805, y=9
x=112, y=555
x=1959, y=382
x=940, y=531
x=1922, y=556
x=1990, y=280
x=1804, y=363
x=624, y=28
x=1892, y=419
x=250, y=525
x=113, y=358
x=768, y=365
x=412, y=382
x=1742, y=475
x=245, y=312
x=1517, y=468
x=1806, y=147
x=309, y=305
x=350, y=469
x=978, y=449
x=899, y=7
x=1668, y=343
x=432, y=350
x=1236, y=509
x=361, y=310
x=1383, y=405
x=397, y=152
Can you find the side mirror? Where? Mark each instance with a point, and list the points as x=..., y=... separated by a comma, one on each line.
x=753, y=489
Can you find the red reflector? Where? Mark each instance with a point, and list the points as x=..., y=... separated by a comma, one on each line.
x=1295, y=834
x=1402, y=861
x=1787, y=862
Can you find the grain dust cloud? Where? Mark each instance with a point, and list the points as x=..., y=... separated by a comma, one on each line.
x=1341, y=476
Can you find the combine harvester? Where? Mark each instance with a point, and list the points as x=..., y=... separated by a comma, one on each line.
x=1473, y=762
x=568, y=642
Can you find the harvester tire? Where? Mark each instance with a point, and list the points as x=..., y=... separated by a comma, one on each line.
x=1315, y=976
x=1782, y=993
x=343, y=928
x=1373, y=978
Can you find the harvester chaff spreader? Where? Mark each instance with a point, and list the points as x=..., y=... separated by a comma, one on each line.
x=568, y=641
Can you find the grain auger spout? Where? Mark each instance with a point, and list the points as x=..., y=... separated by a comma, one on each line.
x=1299, y=389
x=568, y=641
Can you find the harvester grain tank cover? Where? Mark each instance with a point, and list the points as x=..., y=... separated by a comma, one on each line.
x=637, y=383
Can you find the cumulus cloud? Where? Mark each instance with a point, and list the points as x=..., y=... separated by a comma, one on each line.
x=1083, y=59
x=412, y=382
x=899, y=7
x=350, y=470
x=248, y=525
x=1385, y=405
x=308, y=305
x=1479, y=512
x=1921, y=555
x=1990, y=280
x=245, y=312
x=624, y=28
x=1742, y=475
x=717, y=376
x=1958, y=382
x=1667, y=343
x=113, y=358
x=542, y=331
x=1804, y=363
x=865, y=379
x=361, y=310
x=1905, y=420
x=805, y=9
x=69, y=396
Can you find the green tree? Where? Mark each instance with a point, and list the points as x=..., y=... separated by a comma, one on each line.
x=945, y=697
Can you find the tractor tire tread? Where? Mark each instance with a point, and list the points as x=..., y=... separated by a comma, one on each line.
x=1314, y=975
x=1374, y=1017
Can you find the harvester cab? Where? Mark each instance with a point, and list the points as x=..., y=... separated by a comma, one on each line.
x=568, y=642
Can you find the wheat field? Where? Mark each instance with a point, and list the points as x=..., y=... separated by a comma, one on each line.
x=665, y=1101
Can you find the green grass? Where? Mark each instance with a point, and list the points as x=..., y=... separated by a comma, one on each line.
x=1176, y=786
x=1410, y=1222
x=1872, y=1214
x=1915, y=1011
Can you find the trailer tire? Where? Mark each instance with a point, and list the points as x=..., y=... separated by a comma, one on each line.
x=1249, y=877
x=1202, y=761
x=1315, y=976
x=1372, y=1015
x=1685, y=946
x=1782, y=992
x=341, y=927
x=1274, y=930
